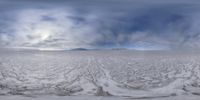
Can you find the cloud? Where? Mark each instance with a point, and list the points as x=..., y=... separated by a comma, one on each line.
x=71, y=24
x=44, y=28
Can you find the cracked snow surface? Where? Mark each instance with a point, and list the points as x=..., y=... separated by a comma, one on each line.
x=121, y=73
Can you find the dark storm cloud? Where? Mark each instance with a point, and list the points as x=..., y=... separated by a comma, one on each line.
x=69, y=24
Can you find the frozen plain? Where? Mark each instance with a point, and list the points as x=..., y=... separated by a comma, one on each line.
x=99, y=75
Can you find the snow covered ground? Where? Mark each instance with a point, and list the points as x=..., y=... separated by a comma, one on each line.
x=93, y=98
x=99, y=75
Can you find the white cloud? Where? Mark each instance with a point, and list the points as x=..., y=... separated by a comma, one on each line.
x=53, y=25
x=32, y=30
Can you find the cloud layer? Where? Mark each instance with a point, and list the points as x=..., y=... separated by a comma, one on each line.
x=62, y=24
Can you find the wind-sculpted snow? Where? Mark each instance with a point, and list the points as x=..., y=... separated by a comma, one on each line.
x=102, y=73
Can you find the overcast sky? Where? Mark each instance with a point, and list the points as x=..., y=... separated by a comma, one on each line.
x=68, y=24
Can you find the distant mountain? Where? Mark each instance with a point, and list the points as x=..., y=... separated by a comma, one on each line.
x=119, y=49
x=84, y=49
x=79, y=49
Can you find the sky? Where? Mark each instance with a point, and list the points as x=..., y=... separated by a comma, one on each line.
x=100, y=24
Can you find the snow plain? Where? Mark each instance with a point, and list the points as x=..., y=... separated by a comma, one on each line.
x=99, y=75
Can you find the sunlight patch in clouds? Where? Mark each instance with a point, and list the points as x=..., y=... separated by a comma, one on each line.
x=58, y=31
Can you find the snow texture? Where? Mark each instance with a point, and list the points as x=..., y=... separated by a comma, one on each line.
x=109, y=74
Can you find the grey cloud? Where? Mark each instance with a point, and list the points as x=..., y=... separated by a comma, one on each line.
x=99, y=23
